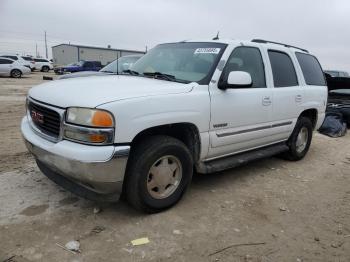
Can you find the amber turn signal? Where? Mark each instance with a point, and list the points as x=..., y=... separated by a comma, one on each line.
x=102, y=119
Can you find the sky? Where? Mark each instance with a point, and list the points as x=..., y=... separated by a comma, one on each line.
x=321, y=26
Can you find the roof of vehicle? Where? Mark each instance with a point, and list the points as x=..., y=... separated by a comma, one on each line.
x=102, y=48
x=270, y=44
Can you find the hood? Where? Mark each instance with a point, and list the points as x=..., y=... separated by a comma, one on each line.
x=96, y=90
x=83, y=74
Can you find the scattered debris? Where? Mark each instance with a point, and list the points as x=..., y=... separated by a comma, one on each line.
x=97, y=210
x=346, y=236
x=177, y=232
x=63, y=247
x=140, y=241
x=73, y=246
x=282, y=208
x=129, y=250
x=237, y=230
x=97, y=229
x=337, y=244
x=10, y=259
x=236, y=245
x=317, y=239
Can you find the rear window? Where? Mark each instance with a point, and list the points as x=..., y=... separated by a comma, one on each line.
x=312, y=70
x=27, y=58
x=282, y=69
x=40, y=60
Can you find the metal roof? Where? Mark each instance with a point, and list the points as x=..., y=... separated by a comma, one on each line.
x=101, y=48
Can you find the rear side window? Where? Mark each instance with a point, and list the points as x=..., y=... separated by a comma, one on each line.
x=5, y=61
x=282, y=69
x=12, y=57
x=27, y=58
x=312, y=70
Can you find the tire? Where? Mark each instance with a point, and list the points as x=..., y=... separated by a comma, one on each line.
x=45, y=69
x=299, y=146
x=157, y=153
x=15, y=73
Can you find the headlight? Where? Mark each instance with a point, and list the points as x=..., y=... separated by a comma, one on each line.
x=89, y=117
x=90, y=126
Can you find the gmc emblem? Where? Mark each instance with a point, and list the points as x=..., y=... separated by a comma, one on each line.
x=37, y=117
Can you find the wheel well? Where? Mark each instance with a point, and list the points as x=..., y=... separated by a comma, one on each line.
x=312, y=115
x=185, y=132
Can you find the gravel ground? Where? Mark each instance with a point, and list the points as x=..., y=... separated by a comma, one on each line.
x=269, y=210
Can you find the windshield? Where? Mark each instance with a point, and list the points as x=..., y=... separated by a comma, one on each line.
x=184, y=62
x=123, y=63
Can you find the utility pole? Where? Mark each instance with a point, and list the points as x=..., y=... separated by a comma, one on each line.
x=46, y=46
x=36, y=50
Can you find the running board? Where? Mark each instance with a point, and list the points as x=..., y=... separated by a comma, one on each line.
x=240, y=159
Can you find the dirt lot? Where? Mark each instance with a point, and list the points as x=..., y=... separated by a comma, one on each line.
x=290, y=211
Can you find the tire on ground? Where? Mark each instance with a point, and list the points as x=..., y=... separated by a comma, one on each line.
x=15, y=73
x=293, y=153
x=145, y=155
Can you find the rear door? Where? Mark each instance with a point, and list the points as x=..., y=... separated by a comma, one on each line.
x=288, y=93
x=5, y=66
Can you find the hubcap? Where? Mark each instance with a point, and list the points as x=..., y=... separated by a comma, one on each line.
x=302, y=139
x=16, y=73
x=164, y=177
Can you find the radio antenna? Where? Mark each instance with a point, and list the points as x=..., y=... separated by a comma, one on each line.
x=217, y=36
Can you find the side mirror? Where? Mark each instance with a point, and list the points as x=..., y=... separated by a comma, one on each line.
x=239, y=79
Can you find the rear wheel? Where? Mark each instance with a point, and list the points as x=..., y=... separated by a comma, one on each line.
x=45, y=69
x=300, y=140
x=15, y=73
x=159, y=172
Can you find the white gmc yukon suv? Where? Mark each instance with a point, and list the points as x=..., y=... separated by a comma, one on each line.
x=192, y=105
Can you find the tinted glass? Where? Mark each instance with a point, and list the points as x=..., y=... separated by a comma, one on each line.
x=27, y=58
x=88, y=64
x=11, y=56
x=5, y=61
x=312, y=70
x=247, y=59
x=282, y=69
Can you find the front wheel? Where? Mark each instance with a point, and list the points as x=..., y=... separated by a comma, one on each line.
x=159, y=172
x=300, y=140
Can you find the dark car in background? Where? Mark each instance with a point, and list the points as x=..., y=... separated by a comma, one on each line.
x=79, y=67
x=334, y=73
x=117, y=66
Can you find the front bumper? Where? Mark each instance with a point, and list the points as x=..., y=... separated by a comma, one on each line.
x=99, y=169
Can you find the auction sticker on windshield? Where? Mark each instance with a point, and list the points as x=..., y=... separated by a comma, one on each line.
x=209, y=50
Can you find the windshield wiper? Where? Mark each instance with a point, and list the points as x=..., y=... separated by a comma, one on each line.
x=159, y=75
x=131, y=72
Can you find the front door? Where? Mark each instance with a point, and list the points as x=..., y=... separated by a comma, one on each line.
x=240, y=116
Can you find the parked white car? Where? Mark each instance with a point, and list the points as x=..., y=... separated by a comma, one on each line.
x=43, y=64
x=10, y=67
x=31, y=61
x=203, y=105
x=19, y=59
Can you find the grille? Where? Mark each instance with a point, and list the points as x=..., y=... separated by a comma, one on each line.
x=45, y=119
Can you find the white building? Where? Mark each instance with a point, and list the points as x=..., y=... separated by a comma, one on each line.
x=64, y=54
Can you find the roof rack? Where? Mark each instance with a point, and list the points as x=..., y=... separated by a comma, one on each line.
x=276, y=43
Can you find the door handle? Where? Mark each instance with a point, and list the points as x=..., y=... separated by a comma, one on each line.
x=298, y=98
x=266, y=101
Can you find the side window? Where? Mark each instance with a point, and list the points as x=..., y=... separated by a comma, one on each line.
x=12, y=57
x=88, y=65
x=283, y=70
x=5, y=61
x=247, y=59
x=312, y=70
